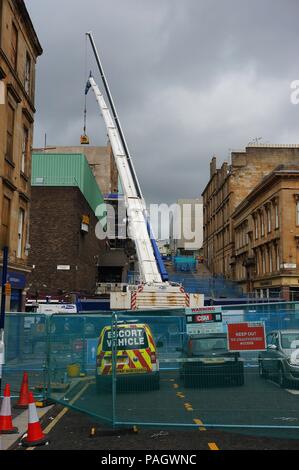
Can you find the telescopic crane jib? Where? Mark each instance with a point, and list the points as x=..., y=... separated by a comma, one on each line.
x=152, y=270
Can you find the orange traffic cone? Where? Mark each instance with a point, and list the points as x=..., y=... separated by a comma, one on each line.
x=35, y=435
x=6, y=426
x=24, y=394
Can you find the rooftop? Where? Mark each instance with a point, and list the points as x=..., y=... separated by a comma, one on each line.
x=69, y=170
x=27, y=20
x=282, y=170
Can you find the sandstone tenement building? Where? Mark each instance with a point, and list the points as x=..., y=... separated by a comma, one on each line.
x=19, y=50
x=227, y=188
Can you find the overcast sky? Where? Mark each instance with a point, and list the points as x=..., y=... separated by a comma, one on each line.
x=190, y=79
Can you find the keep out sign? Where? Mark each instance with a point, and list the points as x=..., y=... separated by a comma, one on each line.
x=246, y=336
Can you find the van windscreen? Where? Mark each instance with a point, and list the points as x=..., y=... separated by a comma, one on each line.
x=127, y=338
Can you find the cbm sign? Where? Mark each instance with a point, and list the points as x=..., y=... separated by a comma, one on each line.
x=204, y=320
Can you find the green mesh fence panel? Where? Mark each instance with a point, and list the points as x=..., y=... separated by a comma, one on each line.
x=212, y=387
x=25, y=351
x=73, y=342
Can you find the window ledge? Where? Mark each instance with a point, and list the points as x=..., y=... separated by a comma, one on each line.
x=24, y=176
x=10, y=162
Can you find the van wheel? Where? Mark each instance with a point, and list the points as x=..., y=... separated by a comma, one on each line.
x=282, y=381
x=239, y=380
x=262, y=373
x=187, y=381
x=238, y=374
x=156, y=383
x=182, y=376
x=100, y=387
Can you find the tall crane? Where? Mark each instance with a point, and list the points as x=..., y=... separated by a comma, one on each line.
x=151, y=267
x=134, y=202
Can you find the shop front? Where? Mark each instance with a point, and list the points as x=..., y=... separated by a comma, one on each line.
x=17, y=280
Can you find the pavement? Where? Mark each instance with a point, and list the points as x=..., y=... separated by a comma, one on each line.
x=20, y=417
x=20, y=420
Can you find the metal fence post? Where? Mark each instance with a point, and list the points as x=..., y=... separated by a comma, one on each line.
x=114, y=352
x=47, y=385
x=84, y=345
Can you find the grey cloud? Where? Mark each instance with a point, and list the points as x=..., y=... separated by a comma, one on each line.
x=190, y=78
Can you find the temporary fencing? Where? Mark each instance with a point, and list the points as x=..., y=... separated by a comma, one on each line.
x=168, y=381
x=184, y=263
x=214, y=287
x=26, y=342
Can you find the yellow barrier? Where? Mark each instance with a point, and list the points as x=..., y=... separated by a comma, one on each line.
x=73, y=370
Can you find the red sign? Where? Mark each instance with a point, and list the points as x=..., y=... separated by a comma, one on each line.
x=246, y=336
x=204, y=317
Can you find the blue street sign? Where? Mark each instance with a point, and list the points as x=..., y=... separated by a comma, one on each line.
x=91, y=355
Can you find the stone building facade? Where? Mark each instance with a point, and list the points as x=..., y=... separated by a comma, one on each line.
x=19, y=50
x=266, y=228
x=227, y=188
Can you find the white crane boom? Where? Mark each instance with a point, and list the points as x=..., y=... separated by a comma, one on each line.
x=135, y=204
x=155, y=290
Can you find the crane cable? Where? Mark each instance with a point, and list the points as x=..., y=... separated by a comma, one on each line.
x=85, y=115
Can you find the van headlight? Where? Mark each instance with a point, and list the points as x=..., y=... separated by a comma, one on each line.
x=293, y=363
x=294, y=358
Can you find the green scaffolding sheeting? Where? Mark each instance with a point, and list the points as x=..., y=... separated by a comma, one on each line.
x=58, y=169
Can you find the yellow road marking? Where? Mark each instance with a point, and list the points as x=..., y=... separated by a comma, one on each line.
x=62, y=413
x=213, y=446
x=180, y=395
x=200, y=423
x=188, y=406
x=175, y=386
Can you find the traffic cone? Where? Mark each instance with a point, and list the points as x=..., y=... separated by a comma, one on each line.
x=24, y=394
x=6, y=426
x=35, y=435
